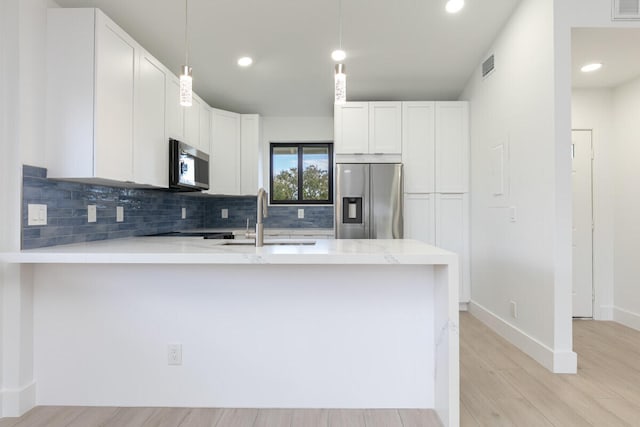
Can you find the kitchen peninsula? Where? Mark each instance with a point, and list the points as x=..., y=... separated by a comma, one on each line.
x=334, y=324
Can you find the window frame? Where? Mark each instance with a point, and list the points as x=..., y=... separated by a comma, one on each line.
x=300, y=146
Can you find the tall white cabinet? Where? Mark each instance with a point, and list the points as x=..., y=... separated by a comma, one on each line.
x=435, y=154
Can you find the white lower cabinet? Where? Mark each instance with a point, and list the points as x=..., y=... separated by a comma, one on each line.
x=441, y=219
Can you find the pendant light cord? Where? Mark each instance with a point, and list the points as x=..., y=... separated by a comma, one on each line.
x=186, y=29
x=340, y=23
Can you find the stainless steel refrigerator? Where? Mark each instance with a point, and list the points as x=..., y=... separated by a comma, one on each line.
x=368, y=201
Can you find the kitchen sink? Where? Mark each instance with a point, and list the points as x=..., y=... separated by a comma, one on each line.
x=270, y=242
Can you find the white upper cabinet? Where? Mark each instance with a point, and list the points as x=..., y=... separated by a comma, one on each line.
x=368, y=128
x=249, y=153
x=150, y=149
x=91, y=69
x=110, y=106
x=385, y=127
x=224, y=160
x=175, y=112
x=418, y=146
x=351, y=122
x=452, y=147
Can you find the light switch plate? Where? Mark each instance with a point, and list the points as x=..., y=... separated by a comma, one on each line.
x=513, y=215
x=36, y=214
x=92, y=213
x=119, y=213
x=300, y=213
x=184, y=213
x=224, y=213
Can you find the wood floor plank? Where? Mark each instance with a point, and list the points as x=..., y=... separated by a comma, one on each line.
x=346, y=418
x=94, y=416
x=466, y=418
x=382, y=418
x=47, y=416
x=8, y=422
x=202, y=417
x=166, y=417
x=419, y=418
x=130, y=417
x=273, y=418
x=237, y=417
x=310, y=418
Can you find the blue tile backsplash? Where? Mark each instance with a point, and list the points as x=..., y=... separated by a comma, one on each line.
x=146, y=211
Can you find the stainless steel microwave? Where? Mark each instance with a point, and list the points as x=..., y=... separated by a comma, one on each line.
x=188, y=167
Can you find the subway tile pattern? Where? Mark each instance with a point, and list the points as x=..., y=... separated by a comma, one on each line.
x=241, y=208
x=146, y=211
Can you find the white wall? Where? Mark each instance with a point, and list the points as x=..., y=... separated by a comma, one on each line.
x=292, y=129
x=520, y=261
x=626, y=104
x=592, y=109
x=22, y=77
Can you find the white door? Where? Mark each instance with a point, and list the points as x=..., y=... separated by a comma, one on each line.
x=582, y=224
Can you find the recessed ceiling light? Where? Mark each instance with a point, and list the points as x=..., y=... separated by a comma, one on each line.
x=338, y=55
x=591, y=67
x=245, y=61
x=454, y=6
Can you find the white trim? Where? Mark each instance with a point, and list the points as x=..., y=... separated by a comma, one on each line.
x=626, y=317
x=559, y=362
x=605, y=312
x=16, y=402
x=463, y=306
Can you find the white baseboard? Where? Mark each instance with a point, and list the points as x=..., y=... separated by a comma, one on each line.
x=15, y=402
x=559, y=362
x=463, y=306
x=626, y=317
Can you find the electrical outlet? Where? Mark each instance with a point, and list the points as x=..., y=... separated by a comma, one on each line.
x=224, y=213
x=300, y=213
x=119, y=214
x=174, y=354
x=92, y=213
x=514, y=309
x=184, y=213
x=36, y=214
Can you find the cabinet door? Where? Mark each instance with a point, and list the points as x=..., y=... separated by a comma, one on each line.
x=452, y=233
x=351, y=122
x=249, y=153
x=224, y=160
x=205, y=128
x=418, y=146
x=192, y=123
x=175, y=112
x=385, y=127
x=419, y=217
x=150, y=148
x=452, y=147
x=115, y=74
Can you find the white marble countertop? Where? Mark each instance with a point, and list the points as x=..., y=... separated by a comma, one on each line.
x=194, y=250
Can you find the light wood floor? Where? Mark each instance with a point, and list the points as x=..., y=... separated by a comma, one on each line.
x=500, y=386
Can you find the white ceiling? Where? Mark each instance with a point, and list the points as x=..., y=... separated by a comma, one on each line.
x=618, y=49
x=397, y=49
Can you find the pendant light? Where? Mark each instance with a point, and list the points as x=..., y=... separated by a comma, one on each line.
x=186, y=81
x=340, y=77
x=340, y=84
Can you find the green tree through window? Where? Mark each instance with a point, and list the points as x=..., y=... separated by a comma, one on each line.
x=314, y=185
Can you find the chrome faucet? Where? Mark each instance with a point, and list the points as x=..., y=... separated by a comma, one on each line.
x=262, y=213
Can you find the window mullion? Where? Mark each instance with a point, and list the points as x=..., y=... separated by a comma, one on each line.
x=300, y=198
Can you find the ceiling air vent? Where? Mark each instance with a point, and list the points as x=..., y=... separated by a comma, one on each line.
x=626, y=10
x=487, y=66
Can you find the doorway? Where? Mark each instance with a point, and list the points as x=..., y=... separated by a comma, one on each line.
x=582, y=185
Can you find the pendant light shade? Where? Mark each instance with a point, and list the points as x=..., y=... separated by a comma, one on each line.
x=186, y=79
x=340, y=84
x=186, y=87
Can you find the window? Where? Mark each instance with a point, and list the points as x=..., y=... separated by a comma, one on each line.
x=314, y=185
